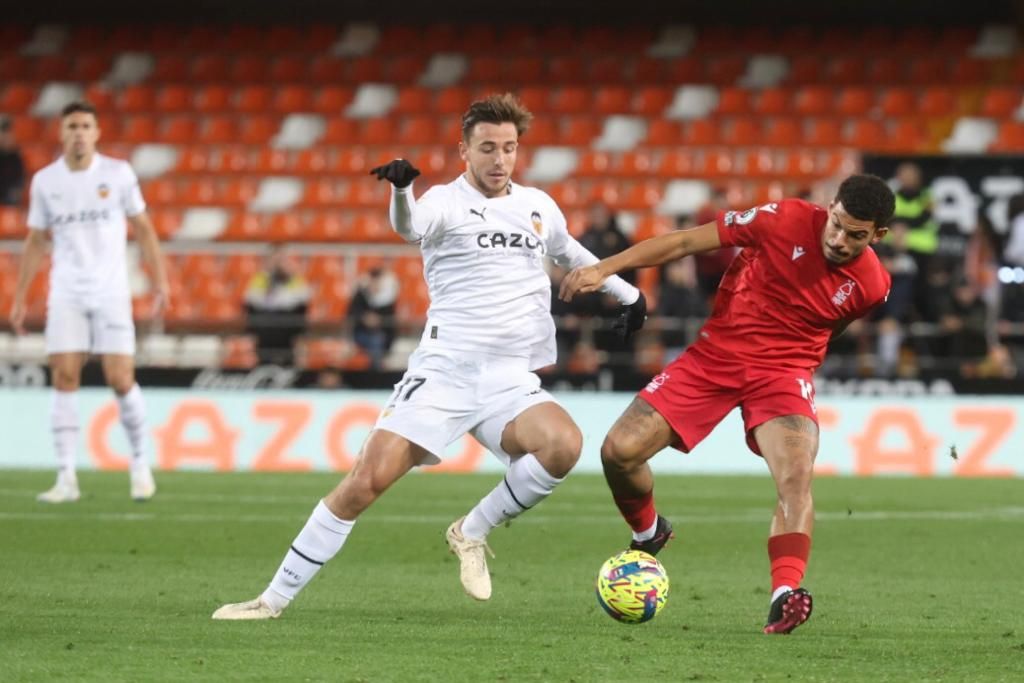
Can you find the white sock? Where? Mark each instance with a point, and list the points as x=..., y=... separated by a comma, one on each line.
x=64, y=426
x=133, y=419
x=646, y=534
x=526, y=483
x=318, y=542
x=777, y=592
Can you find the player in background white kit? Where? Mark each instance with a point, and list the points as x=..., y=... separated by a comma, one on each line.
x=81, y=202
x=484, y=241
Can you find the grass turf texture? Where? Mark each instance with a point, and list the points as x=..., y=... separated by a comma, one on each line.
x=913, y=580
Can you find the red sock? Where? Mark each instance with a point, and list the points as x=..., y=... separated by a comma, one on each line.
x=638, y=512
x=788, y=554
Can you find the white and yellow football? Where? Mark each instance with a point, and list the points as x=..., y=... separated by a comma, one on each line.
x=632, y=587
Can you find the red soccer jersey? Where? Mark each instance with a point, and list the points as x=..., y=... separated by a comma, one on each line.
x=781, y=299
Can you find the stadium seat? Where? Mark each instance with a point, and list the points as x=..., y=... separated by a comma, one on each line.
x=249, y=68
x=783, y=131
x=772, y=102
x=805, y=69
x=652, y=100
x=846, y=70
x=252, y=99
x=897, y=101
x=1010, y=137
x=733, y=101
x=413, y=100
x=636, y=163
x=51, y=68
x=377, y=131
x=824, y=132
x=173, y=99
x=287, y=68
x=258, y=130
x=212, y=99
x=725, y=70
x=928, y=70
x=741, y=131
x=16, y=98
x=170, y=68
x=907, y=135
x=687, y=70
x=886, y=71
x=855, y=101
x=28, y=128
x=580, y=131
x=136, y=99
x=937, y=101
x=138, y=129
x=239, y=353
x=208, y=68
x=179, y=129
x=217, y=130
x=571, y=100
x=814, y=100
x=1001, y=102
x=698, y=132
x=646, y=70
x=327, y=70
x=865, y=134
x=565, y=69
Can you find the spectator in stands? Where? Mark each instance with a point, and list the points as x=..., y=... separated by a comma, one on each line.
x=981, y=270
x=914, y=208
x=603, y=236
x=372, y=313
x=896, y=310
x=12, y=168
x=962, y=327
x=679, y=300
x=276, y=301
x=1013, y=255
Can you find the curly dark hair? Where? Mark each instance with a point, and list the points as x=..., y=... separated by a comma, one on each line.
x=868, y=198
x=496, y=109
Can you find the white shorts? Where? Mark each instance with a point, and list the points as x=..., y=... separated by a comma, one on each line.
x=101, y=327
x=441, y=397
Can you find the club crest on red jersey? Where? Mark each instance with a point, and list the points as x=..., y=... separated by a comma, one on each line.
x=843, y=293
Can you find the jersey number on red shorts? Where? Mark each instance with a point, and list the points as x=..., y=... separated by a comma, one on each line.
x=807, y=391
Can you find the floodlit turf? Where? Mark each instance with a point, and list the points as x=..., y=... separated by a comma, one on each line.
x=913, y=581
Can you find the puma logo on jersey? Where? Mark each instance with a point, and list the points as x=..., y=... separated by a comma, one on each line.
x=514, y=240
x=797, y=252
x=479, y=213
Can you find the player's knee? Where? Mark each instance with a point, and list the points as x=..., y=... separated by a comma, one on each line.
x=65, y=380
x=561, y=450
x=795, y=481
x=620, y=451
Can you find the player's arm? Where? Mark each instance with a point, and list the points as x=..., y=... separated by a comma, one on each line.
x=574, y=255
x=410, y=221
x=149, y=244
x=31, y=257
x=839, y=328
x=651, y=252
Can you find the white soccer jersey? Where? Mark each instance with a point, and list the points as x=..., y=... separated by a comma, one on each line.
x=85, y=213
x=483, y=260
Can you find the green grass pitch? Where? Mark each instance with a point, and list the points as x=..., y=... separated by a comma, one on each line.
x=914, y=580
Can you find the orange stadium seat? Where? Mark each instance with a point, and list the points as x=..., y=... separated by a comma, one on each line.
x=534, y=98
x=928, y=70
x=1010, y=137
x=543, y=131
x=865, y=134
x=193, y=159
x=685, y=70
x=761, y=162
x=783, y=131
x=886, y=71
x=700, y=132
x=249, y=68
x=212, y=99
x=101, y=96
x=12, y=225
x=170, y=68
x=341, y=131
x=327, y=70
x=484, y=68
x=217, y=130
x=907, y=135
x=726, y=70
x=773, y=102
x=292, y=98
x=173, y=98
x=253, y=98
x=161, y=191
x=51, y=68
x=744, y=130
x=805, y=69
x=13, y=66
x=664, y=133
x=898, y=101
x=207, y=68
x=937, y=101
x=270, y=161
x=286, y=227
x=855, y=101
x=239, y=191
x=351, y=161
x=679, y=163
x=90, y=67
x=970, y=71
x=377, y=131
x=607, y=71
x=564, y=69
x=138, y=129
x=593, y=164
x=571, y=100
x=733, y=101
x=331, y=100
x=245, y=227
x=239, y=353
x=199, y=192
x=652, y=100
x=136, y=98
x=166, y=221
x=1001, y=102
x=826, y=132
x=580, y=131
x=814, y=100
x=17, y=97
x=413, y=100
x=323, y=192
x=846, y=70
x=647, y=70
x=28, y=128
x=524, y=69
x=366, y=70
x=287, y=68
x=451, y=100
x=637, y=163
x=642, y=195
x=258, y=129
x=612, y=100
x=179, y=129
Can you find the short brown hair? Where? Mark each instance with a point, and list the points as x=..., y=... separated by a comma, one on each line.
x=77, y=106
x=497, y=109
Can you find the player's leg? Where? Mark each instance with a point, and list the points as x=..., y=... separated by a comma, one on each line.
x=384, y=459
x=65, y=374
x=638, y=434
x=67, y=346
x=541, y=444
x=119, y=374
x=789, y=445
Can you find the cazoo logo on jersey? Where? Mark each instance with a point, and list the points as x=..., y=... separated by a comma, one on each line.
x=515, y=240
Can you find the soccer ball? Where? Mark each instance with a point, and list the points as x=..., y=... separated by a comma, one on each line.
x=632, y=587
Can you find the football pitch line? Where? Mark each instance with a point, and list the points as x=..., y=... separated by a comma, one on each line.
x=1004, y=514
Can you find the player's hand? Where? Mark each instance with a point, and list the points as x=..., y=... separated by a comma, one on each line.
x=399, y=172
x=581, y=281
x=632, y=317
x=17, y=317
x=161, y=300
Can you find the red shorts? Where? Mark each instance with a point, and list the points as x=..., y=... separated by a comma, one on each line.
x=694, y=393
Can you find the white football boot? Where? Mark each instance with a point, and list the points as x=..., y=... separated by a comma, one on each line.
x=64, y=491
x=253, y=609
x=143, y=487
x=476, y=580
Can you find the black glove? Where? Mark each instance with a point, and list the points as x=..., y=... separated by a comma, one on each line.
x=632, y=318
x=399, y=172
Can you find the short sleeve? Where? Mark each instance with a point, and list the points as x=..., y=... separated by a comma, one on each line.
x=747, y=228
x=39, y=216
x=558, y=237
x=131, y=194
